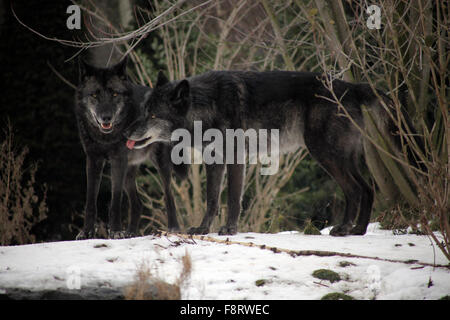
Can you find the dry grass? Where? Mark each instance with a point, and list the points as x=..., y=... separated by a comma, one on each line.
x=20, y=206
x=407, y=55
x=148, y=286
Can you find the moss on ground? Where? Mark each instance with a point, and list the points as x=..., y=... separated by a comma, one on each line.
x=326, y=274
x=345, y=264
x=337, y=296
x=260, y=282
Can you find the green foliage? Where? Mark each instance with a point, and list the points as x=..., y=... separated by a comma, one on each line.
x=345, y=264
x=337, y=296
x=326, y=274
x=260, y=282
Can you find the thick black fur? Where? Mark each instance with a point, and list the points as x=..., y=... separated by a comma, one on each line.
x=106, y=104
x=296, y=103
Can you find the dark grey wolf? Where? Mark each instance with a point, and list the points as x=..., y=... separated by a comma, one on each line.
x=107, y=103
x=292, y=102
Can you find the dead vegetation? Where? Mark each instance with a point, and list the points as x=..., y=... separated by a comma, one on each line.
x=149, y=286
x=20, y=205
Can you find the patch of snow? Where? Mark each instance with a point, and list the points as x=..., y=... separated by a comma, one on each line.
x=221, y=271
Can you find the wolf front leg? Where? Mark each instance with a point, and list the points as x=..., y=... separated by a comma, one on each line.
x=135, y=203
x=214, y=178
x=118, y=173
x=165, y=173
x=163, y=164
x=94, y=169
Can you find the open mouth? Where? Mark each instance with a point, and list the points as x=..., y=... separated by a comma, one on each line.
x=106, y=126
x=132, y=144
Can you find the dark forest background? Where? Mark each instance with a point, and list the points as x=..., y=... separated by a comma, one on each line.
x=38, y=106
x=407, y=57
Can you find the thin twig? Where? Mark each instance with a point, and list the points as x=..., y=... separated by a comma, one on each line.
x=297, y=253
x=59, y=75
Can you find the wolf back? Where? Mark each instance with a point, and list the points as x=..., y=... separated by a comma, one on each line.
x=299, y=104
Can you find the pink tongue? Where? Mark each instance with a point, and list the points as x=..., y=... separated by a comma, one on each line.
x=130, y=144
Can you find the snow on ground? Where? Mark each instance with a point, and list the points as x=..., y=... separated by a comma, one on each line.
x=222, y=271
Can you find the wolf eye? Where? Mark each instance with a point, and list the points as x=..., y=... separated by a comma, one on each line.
x=93, y=95
x=153, y=116
x=115, y=94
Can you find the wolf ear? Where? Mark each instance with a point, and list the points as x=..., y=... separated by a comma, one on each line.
x=120, y=68
x=85, y=69
x=162, y=79
x=145, y=100
x=180, y=96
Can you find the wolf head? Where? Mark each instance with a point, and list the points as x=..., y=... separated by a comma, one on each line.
x=103, y=94
x=164, y=109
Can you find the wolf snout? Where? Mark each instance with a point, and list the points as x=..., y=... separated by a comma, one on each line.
x=105, y=119
x=105, y=122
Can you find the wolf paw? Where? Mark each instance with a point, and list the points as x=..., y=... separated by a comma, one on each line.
x=358, y=230
x=175, y=229
x=131, y=234
x=117, y=235
x=83, y=235
x=227, y=230
x=340, y=230
x=198, y=230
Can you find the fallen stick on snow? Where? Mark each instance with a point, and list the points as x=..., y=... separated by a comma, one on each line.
x=295, y=253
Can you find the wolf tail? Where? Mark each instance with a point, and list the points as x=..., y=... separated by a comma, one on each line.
x=389, y=130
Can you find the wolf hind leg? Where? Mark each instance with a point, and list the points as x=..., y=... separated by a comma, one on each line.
x=362, y=196
x=365, y=208
x=341, y=168
x=353, y=194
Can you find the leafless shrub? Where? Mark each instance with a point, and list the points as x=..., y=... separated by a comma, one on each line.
x=20, y=206
x=407, y=52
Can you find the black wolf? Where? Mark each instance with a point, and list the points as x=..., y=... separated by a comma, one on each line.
x=296, y=103
x=106, y=104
